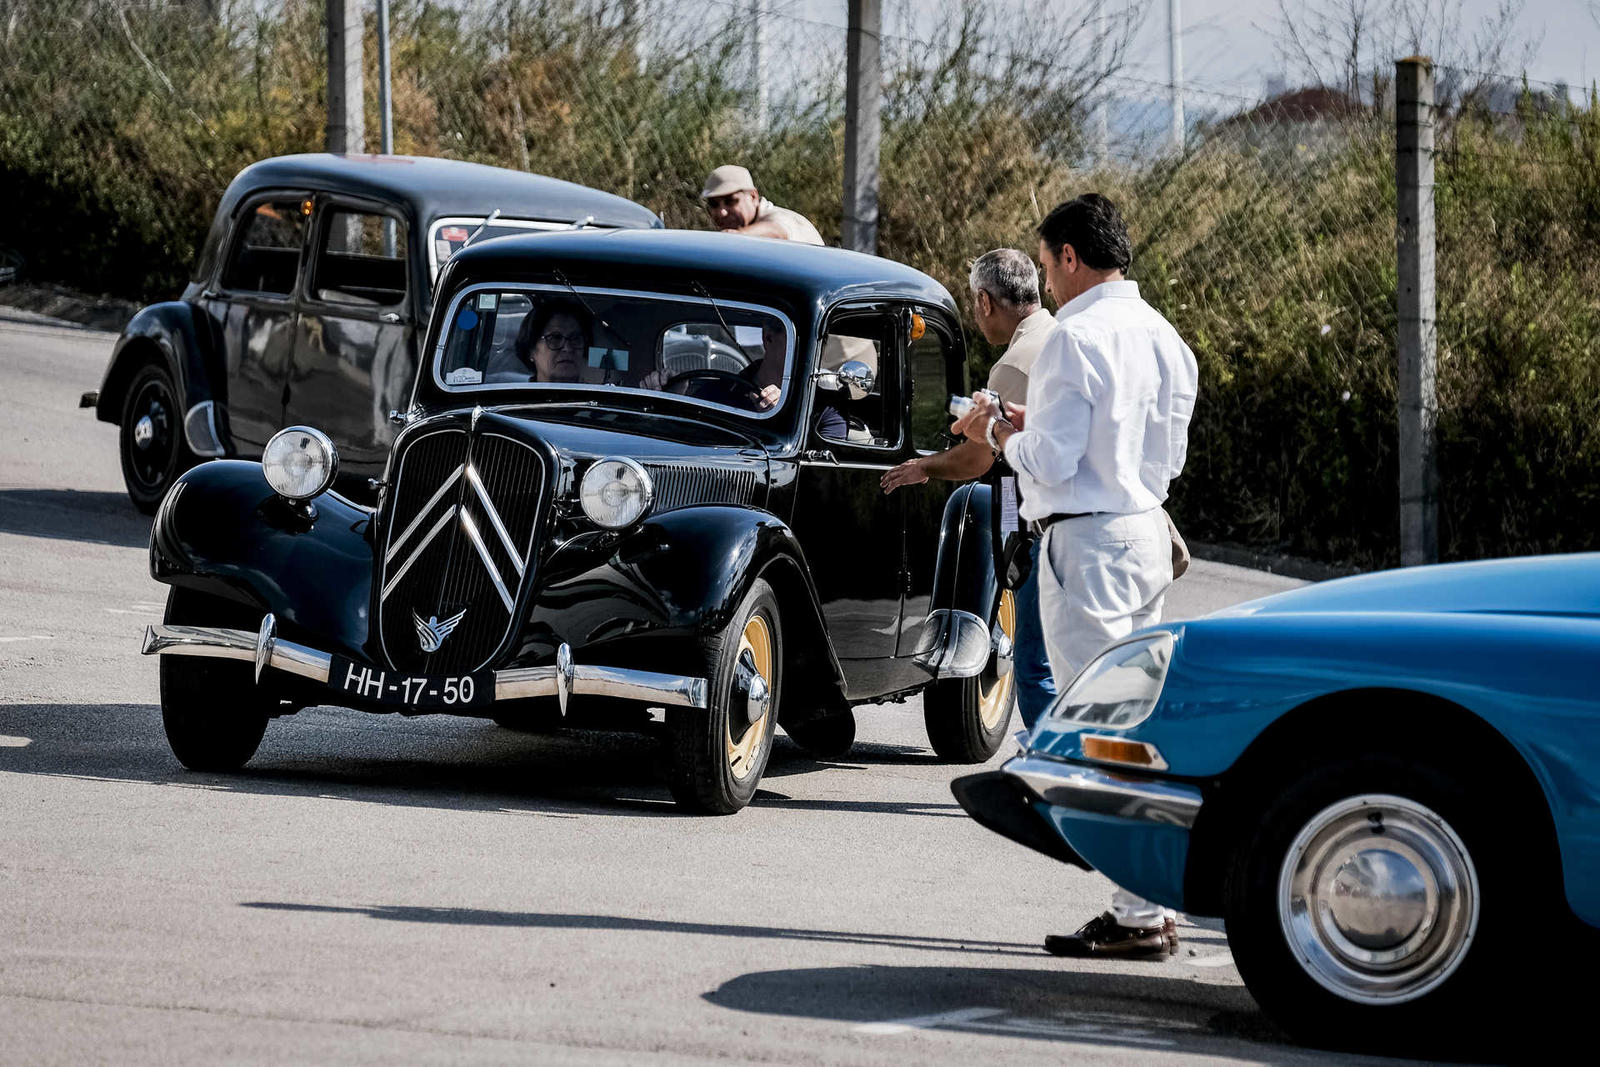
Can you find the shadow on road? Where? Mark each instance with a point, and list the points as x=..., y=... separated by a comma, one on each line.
x=631, y=924
x=97, y=517
x=433, y=761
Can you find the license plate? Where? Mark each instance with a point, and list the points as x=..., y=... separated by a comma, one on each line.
x=379, y=686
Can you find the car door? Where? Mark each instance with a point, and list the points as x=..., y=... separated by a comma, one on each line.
x=353, y=351
x=851, y=531
x=255, y=303
x=935, y=365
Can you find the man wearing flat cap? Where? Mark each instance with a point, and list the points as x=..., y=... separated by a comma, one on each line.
x=735, y=206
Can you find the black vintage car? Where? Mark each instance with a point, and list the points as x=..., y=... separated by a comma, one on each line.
x=638, y=470
x=307, y=304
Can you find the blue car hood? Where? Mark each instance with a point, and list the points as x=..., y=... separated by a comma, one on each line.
x=1532, y=585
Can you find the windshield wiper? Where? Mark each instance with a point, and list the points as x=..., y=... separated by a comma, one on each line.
x=579, y=224
x=481, y=226
x=700, y=288
x=593, y=314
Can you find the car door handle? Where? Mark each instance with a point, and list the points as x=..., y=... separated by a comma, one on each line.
x=390, y=316
x=819, y=455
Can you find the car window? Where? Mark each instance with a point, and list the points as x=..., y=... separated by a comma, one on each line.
x=726, y=353
x=448, y=236
x=266, y=250
x=928, y=361
x=361, y=260
x=839, y=415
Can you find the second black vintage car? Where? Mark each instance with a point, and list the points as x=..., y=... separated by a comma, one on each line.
x=308, y=303
x=638, y=468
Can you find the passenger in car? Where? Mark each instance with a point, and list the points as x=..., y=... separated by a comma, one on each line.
x=553, y=341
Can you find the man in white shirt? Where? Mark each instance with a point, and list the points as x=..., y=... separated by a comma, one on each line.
x=1104, y=431
x=735, y=206
x=1005, y=304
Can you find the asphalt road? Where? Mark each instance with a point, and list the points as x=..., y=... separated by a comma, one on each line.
x=372, y=889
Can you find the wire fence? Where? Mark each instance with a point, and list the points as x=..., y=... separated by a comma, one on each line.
x=1267, y=237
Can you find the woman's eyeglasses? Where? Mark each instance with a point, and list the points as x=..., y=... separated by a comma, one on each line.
x=557, y=341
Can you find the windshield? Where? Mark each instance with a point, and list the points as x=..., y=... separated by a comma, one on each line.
x=723, y=353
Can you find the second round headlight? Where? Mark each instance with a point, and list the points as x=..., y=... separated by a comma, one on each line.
x=299, y=462
x=615, y=492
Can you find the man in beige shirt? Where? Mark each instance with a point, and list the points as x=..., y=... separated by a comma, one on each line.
x=735, y=206
x=1005, y=300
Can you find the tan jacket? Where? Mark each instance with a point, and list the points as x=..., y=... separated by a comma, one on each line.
x=1009, y=375
x=794, y=225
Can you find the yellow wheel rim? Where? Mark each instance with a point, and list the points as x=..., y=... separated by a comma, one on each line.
x=742, y=754
x=994, y=703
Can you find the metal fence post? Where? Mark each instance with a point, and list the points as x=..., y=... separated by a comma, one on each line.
x=863, y=96
x=346, y=117
x=1414, y=246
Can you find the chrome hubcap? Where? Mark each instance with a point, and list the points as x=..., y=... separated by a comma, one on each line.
x=1378, y=899
x=144, y=431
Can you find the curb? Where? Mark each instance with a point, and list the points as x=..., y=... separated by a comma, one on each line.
x=96, y=312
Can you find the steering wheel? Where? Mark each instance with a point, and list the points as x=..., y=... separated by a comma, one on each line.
x=735, y=384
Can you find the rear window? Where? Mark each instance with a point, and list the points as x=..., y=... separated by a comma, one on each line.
x=723, y=353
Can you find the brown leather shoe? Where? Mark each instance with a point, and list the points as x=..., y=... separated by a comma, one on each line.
x=1102, y=937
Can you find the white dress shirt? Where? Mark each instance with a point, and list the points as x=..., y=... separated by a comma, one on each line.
x=1109, y=402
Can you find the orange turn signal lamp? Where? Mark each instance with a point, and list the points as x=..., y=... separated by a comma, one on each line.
x=305, y=207
x=919, y=326
x=1141, y=754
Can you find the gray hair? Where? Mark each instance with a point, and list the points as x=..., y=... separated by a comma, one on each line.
x=1008, y=276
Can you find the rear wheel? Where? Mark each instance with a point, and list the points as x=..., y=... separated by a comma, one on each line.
x=212, y=709
x=967, y=717
x=150, y=439
x=718, y=754
x=1373, y=900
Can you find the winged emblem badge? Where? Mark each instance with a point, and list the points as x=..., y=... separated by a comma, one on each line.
x=431, y=632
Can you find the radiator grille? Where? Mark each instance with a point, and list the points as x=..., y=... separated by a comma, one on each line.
x=680, y=485
x=460, y=540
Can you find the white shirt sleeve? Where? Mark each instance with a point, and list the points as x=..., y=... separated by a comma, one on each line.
x=1060, y=398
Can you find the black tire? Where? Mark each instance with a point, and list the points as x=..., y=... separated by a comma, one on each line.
x=212, y=709
x=967, y=718
x=150, y=438
x=1451, y=964
x=707, y=770
x=827, y=738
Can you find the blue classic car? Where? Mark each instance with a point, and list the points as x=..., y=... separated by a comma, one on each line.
x=1384, y=783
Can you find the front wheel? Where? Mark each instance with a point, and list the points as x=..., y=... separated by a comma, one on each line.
x=150, y=439
x=967, y=717
x=213, y=711
x=718, y=754
x=1371, y=902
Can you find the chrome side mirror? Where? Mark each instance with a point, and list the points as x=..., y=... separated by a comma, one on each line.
x=853, y=376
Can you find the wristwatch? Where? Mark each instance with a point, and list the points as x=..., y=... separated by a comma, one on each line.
x=989, y=438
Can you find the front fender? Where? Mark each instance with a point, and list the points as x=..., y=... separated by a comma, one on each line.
x=223, y=531
x=964, y=575
x=656, y=594
x=185, y=340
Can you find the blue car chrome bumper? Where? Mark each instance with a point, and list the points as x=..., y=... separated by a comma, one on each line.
x=1133, y=829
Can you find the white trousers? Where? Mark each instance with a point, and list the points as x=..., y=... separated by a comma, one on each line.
x=1101, y=578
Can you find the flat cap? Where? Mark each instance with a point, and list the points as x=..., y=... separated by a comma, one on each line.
x=727, y=179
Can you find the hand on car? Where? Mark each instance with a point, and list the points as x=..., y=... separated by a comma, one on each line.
x=908, y=473
x=767, y=397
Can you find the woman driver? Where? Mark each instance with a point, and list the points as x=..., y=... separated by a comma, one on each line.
x=554, y=341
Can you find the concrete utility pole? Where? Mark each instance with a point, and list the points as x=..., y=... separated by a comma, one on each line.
x=1418, y=337
x=863, y=99
x=758, y=62
x=346, y=119
x=1175, y=71
x=385, y=110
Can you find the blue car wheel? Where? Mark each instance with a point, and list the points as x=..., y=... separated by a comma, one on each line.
x=1371, y=903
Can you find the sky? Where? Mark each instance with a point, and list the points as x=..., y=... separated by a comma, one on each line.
x=1229, y=45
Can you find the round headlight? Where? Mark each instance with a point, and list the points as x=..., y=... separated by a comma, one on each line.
x=299, y=462
x=615, y=492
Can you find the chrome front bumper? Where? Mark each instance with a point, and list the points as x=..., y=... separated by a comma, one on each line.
x=1103, y=792
x=265, y=649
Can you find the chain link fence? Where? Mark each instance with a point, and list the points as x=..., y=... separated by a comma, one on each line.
x=1267, y=237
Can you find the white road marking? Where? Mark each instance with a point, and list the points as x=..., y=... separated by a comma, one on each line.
x=30, y=637
x=136, y=611
x=927, y=1022
x=15, y=742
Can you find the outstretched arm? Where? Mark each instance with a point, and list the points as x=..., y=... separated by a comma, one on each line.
x=967, y=460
